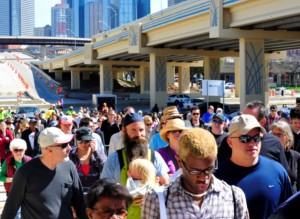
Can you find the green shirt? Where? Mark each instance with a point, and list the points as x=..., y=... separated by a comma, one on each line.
x=3, y=170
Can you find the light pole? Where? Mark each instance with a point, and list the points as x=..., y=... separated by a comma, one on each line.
x=101, y=21
x=73, y=36
x=115, y=14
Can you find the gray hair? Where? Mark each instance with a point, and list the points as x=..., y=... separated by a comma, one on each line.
x=285, y=128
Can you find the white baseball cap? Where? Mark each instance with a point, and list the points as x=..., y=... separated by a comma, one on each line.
x=53, y=136
x=66, y=120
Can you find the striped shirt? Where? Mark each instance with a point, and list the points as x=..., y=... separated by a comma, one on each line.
x=217, y=203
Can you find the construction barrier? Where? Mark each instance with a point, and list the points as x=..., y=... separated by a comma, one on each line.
x=52, y=85
x=47, y=82
x=292, y=93
x=41, y=77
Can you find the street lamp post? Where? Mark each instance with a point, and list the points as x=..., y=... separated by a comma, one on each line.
x=115, y=14
x=101, y=21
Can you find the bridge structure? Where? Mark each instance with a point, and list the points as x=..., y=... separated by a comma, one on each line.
x=191, y=33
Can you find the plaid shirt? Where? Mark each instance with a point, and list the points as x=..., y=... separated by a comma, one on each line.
x=218, y=203
x=271, y=120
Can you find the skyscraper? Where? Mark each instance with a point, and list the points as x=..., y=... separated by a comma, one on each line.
x=62, y=21
x=27, y=17
x=17, y=17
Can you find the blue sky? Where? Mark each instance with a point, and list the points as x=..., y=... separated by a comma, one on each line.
x=43, y=10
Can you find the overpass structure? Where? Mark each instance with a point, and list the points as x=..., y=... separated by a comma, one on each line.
x=191, y=33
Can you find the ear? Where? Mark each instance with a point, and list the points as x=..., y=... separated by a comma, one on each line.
x=89, y=213
x=229, y=142
x=178, y=160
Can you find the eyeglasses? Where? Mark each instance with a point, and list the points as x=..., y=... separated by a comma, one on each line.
x=175, y=131
x=278, y=134
x=148, y=124
x=247, y=138
x=215, y=121
x=206, y=172
x=18, y=150
x=63, y=146
x=113, y=115
x=120, y=213
x=195, y=114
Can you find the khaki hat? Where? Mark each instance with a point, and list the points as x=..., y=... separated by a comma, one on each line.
x=53, y=136
x=171, y=112
x=172, y=125
x=243, y=124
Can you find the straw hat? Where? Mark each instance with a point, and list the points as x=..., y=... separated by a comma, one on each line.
x=171, y=112
x=172, y=125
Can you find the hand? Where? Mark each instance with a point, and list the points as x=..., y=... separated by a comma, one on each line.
x=93, y=144
x=9, y=179
x=139, y=200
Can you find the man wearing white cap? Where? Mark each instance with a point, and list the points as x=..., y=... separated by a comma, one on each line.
x=66, y=124
x=47, y=186
x=264, y=181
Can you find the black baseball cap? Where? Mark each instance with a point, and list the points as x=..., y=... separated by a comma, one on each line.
x=84, y=134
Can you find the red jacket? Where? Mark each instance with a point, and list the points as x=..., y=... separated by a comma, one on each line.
x=4, y=143
x=11, y=169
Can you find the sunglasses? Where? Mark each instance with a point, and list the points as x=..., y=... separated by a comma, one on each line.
x=195, y=114
x=217, y=122
x=175, y=131
x=18, y=150
x=63, y=146
x=163, y=123
x=85, y=141
x=148, y=124
x=247, y=138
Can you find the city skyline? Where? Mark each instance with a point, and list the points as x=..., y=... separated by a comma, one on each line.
x=43, y=10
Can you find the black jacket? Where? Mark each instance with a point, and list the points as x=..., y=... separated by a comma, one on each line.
x=36, y=150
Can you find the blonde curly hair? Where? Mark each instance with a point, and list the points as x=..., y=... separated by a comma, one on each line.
x=146, y=169
x=200, y=142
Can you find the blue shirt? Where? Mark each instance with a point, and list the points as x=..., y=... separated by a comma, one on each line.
x=266, y=184
x=206, y=118
x=112, y=170
x=157, y=143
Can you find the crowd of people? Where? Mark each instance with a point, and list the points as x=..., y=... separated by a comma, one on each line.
x=101, y=163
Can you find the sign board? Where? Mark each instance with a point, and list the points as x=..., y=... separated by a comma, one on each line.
x=213, y=88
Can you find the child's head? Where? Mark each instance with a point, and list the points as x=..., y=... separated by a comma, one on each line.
x=142, y=169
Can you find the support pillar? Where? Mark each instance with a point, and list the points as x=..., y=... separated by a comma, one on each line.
x=58, y=75
x=184, y=79
x=158, y=80
x=106, y=81
x=146, y=73
x=170, y=74
x=86, y=76
x=237, y=77
x=43, y=52
x=137, y=78
x=252, y=71
x=75, y=80
x=212, y=72
x=141, y=74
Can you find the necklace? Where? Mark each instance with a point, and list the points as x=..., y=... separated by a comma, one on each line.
x=194, y=195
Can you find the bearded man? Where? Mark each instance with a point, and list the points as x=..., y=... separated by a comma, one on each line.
x=136, y=145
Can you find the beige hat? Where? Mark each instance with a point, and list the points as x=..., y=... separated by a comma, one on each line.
x=52, y=136
x=172, y=125
x=243, y=124
x=171, y=112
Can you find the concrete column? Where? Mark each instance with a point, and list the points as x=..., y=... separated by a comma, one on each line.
x=75, y=79
x=58, y=75
x=43, y=52
x=140, y=72
x=184, y=79
x=252, y=71
x=137, y=78
x=212, y=72
x=146, y=78
x=86, y=76
x=158, y=81
x=237, y=79
x=170, y=74
x=106, y=81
